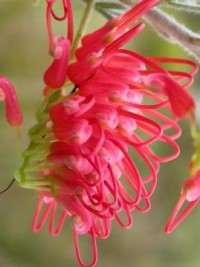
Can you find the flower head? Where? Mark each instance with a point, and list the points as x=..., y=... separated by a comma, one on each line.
x=78, y=159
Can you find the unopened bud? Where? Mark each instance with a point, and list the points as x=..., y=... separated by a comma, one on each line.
x=7, y=94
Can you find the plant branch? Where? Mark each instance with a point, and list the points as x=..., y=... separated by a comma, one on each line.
x=174, y=31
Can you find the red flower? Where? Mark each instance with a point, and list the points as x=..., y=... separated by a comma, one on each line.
x=78, y=158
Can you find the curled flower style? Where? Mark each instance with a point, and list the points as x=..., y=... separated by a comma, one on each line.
x=59, y=46
x=92, y=152
x=51, y=15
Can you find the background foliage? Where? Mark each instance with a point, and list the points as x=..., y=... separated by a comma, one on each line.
x=23, y=58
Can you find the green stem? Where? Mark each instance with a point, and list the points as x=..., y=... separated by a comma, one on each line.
x=83, y=25
x=18, y=142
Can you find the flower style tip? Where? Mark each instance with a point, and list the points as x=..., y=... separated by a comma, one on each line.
x=55, y=75
x=190, y=192
x=181, y=101
x=7, y=94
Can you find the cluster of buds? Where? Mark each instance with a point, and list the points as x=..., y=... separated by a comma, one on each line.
x=87, y=146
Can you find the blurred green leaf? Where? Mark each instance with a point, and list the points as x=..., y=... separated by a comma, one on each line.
x=110, y=9
x=187, y=5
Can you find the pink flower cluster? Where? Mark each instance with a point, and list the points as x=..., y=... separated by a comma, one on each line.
x=92, y=152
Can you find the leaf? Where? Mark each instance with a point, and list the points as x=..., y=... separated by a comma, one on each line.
x=110, y=9
x=187, y=5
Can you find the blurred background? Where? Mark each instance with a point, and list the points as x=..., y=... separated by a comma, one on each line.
x=23, y=59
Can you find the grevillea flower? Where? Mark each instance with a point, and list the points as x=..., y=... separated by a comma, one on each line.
x=7, y=94
x=121, y=103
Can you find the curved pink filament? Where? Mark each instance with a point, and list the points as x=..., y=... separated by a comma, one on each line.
x=103, y=213
x=94, y=249
x=175, y=220
x=145, y=60
x=61, y=18
x=177, y=60
x=37, y=223
x=86, y=181
x=96, y=199
x=99, y=187
x=146, y=124
x=129, y=218
x=70, y=21
x=181, y=76
x=144, y=155
x=97, y=167
x=164, y=138
x=102, y=229
x=156, y=167
x=169, y=123
x=54, y=231
x=67, y=14
x=112, y=189
x=130, y=180
x=49, y=26
x=146, y=106
x=152, y=95
x=175, y=147
x=146, y=207
x=132, y=167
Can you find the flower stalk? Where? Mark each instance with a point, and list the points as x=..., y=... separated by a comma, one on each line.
x=90, y=4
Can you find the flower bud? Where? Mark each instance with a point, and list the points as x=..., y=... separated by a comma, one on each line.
x=7, y=94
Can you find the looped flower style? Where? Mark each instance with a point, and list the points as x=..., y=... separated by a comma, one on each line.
x=93, y=152
x=67, y=16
